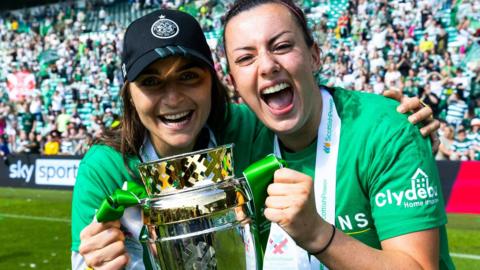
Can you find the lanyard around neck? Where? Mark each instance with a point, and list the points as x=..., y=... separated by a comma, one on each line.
x=328, y=141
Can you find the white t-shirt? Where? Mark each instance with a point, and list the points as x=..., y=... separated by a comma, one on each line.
x=376, y=63
x=57, y=103
x=436, y=87
x=36, y=106
x=392, y=78
x=379, y=39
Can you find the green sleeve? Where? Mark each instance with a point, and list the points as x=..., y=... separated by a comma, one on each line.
x=405, y=191
x=100, y=173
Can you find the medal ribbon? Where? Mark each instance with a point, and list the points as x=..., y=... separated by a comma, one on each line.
x=282, y=251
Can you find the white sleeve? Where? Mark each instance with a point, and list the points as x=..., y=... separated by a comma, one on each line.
x=78, y=263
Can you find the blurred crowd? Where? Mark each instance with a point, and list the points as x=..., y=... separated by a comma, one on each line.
x=60, y=75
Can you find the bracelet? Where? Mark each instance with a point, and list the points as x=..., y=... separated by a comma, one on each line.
x=327, y=245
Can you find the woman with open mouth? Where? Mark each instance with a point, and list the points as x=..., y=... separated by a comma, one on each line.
x=361, y=190
x=173, y=102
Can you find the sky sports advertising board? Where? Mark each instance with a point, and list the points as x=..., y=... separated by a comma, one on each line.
x=39, y=171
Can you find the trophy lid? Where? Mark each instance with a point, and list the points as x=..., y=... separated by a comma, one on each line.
x=188, y=171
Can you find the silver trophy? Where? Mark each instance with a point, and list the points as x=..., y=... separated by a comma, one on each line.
x=198, y=215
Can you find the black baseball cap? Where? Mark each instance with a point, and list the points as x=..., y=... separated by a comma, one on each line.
x=161, y=34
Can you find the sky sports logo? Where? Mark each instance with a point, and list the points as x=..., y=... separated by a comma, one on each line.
x=61, y=172
x=58, y=172
x=20, y=170
x=328, y=137
x=420, y=193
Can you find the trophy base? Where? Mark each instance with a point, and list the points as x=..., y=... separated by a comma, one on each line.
x=210, y=246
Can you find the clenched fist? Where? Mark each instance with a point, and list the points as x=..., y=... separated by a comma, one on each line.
x=291, y=204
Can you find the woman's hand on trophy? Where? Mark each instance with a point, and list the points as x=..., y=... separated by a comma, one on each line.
x=103, y=245
x=291, y=204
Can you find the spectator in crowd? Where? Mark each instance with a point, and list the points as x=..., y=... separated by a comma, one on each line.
x=461, y=147
x=36, y=108
x=379, y=86
x=448, y=68
x=457, y=109
x=27, y=119
x=4, y=149
x=3, y=125
x=393, y=77
x=22, y=143
x=52, y=145
x=426, y=44
x=446, y=141
x=68, y=141
x=84, y=144
x=475, y=86
x=410, y=89
x=41, y=142
x=33, y=146
x=404, y=65
x=474, y=137
x=343, y=25
x=429, y=98
x=62, y=121
x=463, y=84
x=436, y=83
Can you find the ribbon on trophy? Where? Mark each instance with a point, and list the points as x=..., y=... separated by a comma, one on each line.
x=113, y=206
x=258, y=175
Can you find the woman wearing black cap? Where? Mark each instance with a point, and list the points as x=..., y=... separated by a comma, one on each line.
x=172, y=103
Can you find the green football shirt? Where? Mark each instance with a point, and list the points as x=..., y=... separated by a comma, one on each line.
x=387, y=182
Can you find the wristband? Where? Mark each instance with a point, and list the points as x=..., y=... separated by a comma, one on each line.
x=327, y=245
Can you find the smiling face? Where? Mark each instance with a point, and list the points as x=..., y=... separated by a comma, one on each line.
x=272, y=68
x=172, y=97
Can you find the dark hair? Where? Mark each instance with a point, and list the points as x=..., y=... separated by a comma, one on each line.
x=240, y=6
x=128, y=137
